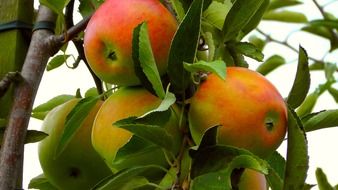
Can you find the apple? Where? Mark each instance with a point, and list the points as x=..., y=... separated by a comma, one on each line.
x=119, y=147
x=79, y=166
x=250, y=110
x=252, y=180
x=108, y=38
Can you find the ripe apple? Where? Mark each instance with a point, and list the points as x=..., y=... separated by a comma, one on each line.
x=252, y=180
x=108, y=38
x=119, y=147
x=250, y=110
x=78, y=166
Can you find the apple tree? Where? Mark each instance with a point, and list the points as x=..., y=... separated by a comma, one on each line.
x=182, y=99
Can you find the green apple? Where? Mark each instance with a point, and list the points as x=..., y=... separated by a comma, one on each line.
x=108, y=38
x=79, y=166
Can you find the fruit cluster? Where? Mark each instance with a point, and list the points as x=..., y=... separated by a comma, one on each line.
x=248, y=109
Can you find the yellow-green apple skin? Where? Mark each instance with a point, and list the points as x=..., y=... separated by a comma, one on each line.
x=79, y=166
x=108, y=38
x=252, y=180
x=250, y=110
x=108, y=139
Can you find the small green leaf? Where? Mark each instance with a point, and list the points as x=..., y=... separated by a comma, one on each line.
x=276, y=4
x=74, y=121
x=321, y=120
x=248, y=50
x=215, y=14
x=258, y=42
x=331, y=24
x=285, y=16
x=178, y=7
x=323, y=183
x=297, y=159
x=91, y=92
x=308, y=104
x=330, y=70
x=41, y=110
x=56, y=62
x=41, y=182
x=218, y=67
x=301, y=84
x=334, y=93
x=277, y=162
x=34, y=136
x=256, y=18
x=88, y=7
x=316, y=66
x=169, y=179
x=321, y=31
x=121, y=179
x=55, y=5
x=184, y=46
x=144, y=61
x=238, y=17
x=271, y=64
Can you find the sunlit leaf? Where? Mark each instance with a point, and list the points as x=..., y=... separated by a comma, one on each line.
x=56, y=62
x=144, y=61
x=323, y=183
x=271, y=64
x=285, y=16
x=321, y=120
x=41, y=182
x=218, y=67
x=215, y=14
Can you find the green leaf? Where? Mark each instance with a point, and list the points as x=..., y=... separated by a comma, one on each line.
x=218, y=67
x=308, y=104
x=41, y=182
x=34, y=136
x=297, y=159
x=248, y=50
x=238, y=17
x=56, y=61
x=258, y=42
x=215, y=14
x=151, y=133
x=285, y=16
x=330, y=69
x=219, y=157
x=256, y=18
x=276, y=4
x=55, y=5
x=274, y=180
x=277, y=162
x=144, y=61
x=271, y=64
x=332, y=91
x=121, y=179
x=331, y=24
x=323, y=183
x=74, y=121
x=184, y=46
x=301, y=84
x=169, y=179
x=321, y=31
x=88, y=7
x=316, y=66
x=41, y=110
x=321, y=120
x=178, y=7
x=221, y=179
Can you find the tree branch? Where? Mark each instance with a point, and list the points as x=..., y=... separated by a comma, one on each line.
x=7, y=80
x=43, y=45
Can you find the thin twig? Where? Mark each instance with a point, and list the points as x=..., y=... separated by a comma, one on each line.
x=7, y=80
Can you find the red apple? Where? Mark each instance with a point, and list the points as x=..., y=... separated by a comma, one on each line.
x=108, y=38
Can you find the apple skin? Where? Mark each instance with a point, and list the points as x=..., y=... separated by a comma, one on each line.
x=108, y=139
x=252, y=180
x=108, y=38
x=250, y=110
x=78, y=166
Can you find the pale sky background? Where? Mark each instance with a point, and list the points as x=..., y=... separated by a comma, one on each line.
x=322, y=143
